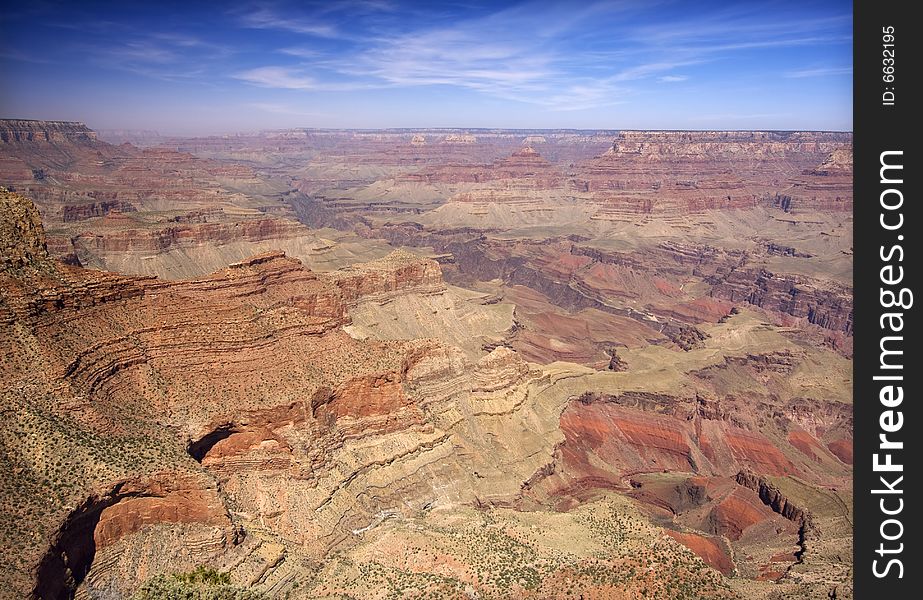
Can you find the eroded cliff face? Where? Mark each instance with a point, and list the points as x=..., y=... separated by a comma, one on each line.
x=24, y=130
x=242, y=407
x=396, y=273
x=660, y=294
x=22, y=235
x=122, y=207
x=670, y=173
x=120, y=236
x=525, y=168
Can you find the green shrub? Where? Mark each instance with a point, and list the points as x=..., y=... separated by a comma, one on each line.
x=204, y=583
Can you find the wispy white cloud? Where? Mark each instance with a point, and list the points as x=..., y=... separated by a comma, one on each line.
x=321, y=20
x=288, y=78
x=263, y=17
x=302, y=52
x=185, y=43
x=513, y=54
x=157, y=55
x=92, y=26
x=741, y=21
x=819, y=72
x=547, y=54
x=644, y=71
x=277, y=77
x=147, y=51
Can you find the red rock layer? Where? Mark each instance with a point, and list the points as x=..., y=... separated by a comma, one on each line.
x=752, y=448
x=369, y=396
x=610, y=438
x=153, y=503
x=624, y=440
x=842, y=449
x=805, y=442
x=124, y=236
x=737, y=512
x=707, y=548
x=679, y=172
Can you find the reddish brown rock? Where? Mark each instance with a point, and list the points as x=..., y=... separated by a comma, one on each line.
x=123, y=236
x=821, y=303
x=396, y=272
x=842, y=449
x=708, y=549
x=526, y=166
x=368, y=396
x=624, y=440
x=737, y=512
x=132, y=513
x=752, y=448
x=805, y=442
x=653, y=172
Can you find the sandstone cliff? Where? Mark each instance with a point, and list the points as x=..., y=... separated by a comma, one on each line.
x=22, y=130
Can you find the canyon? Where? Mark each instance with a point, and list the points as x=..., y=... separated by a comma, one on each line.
x=427, y=363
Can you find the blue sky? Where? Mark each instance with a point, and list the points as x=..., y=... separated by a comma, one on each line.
x=212, y=67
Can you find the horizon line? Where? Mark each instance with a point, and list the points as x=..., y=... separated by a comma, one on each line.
x=443, y=128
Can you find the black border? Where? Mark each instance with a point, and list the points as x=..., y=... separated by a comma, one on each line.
x=879, y=128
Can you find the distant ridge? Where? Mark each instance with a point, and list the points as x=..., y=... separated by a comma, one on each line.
x=21, y=130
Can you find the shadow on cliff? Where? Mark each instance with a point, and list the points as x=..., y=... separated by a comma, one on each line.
x=199, y=448
x=68, y=560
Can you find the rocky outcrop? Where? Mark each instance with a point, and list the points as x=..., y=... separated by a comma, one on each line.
x=459, y=138
x=127, y=507
x=126, y=237
x=740, y=145
x=524, y=169
x=734, y=514
x=825, y=304
x=82, y=212
x=395, y=273
x=24, y=130
x=824, y=187
x=724, y=523
x=773, y=497
x=21, y=233
x=682, y=172
x=840, y=161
